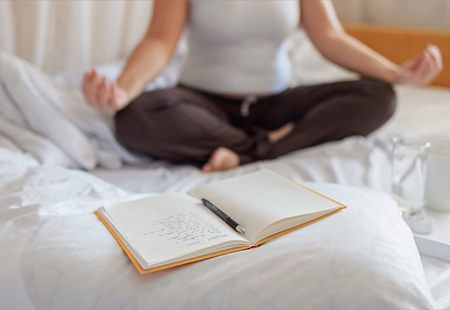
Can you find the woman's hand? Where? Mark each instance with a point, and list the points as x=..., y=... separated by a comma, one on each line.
x=103, y=94
x=149, y=58
x=422, y=69
x=319, y=20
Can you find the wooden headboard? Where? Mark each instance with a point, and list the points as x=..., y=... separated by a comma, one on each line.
x=399, y=44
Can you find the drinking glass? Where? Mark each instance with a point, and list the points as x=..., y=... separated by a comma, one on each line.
x=408, y=175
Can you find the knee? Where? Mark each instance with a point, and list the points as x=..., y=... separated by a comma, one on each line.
x=132, y=122
x=146, y=104
x=383, y=97
x=127, y=123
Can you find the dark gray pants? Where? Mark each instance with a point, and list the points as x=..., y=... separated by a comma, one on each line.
x=186, y=125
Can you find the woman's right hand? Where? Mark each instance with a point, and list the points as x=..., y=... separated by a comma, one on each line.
x=103, y=94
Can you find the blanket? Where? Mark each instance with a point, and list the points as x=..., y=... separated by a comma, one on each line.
x=53, y=123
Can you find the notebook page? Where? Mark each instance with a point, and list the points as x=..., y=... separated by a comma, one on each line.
x=164, y=227
x=259, y=199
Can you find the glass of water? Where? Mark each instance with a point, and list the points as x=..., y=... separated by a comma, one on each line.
x=408, y=175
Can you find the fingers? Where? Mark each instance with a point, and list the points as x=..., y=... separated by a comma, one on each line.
x=432, y=70
x=424, y=68
x=432, y=65
x=87, y=86
x=102, y=92
x=98, y=91
x=435, y=52
x=90, y=84
x=414, y=63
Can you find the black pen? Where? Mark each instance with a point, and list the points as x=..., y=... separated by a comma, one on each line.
x=224, y=217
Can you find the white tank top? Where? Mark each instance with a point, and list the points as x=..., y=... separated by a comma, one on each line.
x=239, y=47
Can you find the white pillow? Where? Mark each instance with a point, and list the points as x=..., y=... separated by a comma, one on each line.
x=39, y=101
x=41, y=148
x=363, y=257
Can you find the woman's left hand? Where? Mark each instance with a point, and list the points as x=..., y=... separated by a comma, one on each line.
x=422, y=69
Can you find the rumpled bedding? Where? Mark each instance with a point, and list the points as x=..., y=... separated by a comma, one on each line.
x=53, y=123
x=57, y=255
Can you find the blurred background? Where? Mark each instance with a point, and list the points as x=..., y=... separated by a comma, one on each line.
x=64, y=35
x=427, y=14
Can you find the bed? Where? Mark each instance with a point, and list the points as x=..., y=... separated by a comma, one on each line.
x=55, y=254
x=421, y=113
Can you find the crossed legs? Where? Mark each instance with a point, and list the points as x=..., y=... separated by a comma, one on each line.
x=189, y=126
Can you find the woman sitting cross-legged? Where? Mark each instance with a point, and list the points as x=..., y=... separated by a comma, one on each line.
x=233, y=104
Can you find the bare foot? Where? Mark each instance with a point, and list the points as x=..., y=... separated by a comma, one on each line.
x=280, y=133
x=222, y=159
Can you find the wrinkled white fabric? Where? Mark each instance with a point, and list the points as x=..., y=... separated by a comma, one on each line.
x=49, y=118
x=33, y=105
x=353, y=162
x=45, y=223
x=60, y=256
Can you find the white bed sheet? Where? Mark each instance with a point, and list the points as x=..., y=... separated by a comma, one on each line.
x=57, y=255
x=356, y=161
x=34, y=274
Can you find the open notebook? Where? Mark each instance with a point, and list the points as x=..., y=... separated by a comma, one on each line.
x=169, y=230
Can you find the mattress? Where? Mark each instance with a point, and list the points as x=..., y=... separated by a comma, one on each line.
x=356, y=161
x=55, y=253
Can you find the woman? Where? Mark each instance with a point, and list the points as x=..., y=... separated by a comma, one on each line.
x=233, y=105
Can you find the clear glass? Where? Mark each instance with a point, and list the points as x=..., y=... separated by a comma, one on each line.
x=408, y=175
